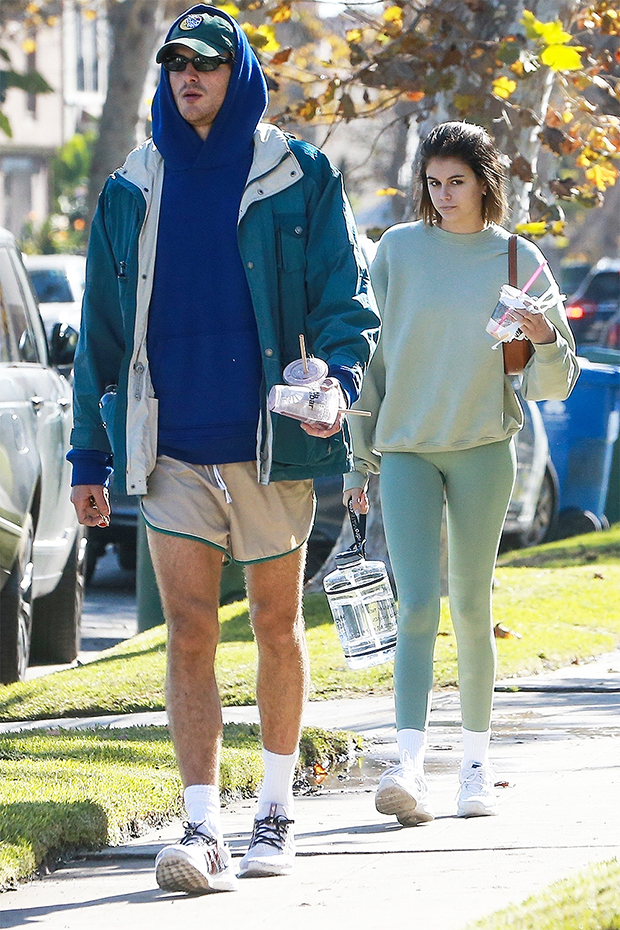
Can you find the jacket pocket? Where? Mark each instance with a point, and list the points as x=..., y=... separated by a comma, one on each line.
x=107, y=411
x=291, y=233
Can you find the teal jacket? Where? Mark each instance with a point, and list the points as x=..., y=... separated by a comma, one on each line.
x=306, y=274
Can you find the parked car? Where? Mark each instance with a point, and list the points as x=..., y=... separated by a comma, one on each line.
x=594, y=309
x=58, y=282
x=42, y=549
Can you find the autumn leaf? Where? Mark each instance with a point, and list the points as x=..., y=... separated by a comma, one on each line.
x=521, y=168
x=503, y=87
x=561, y=58
x=281, y=14
x=282, y=56
x=415, y=95
x=531, y=229
x=354, y=35
x=5, y=126
x=347, y=107
x=231, y=8
x=309, y=108
x=393, y=14
x=508, y=51
x=551, y=33
x=464, y=103
x=262, y=37
x=603, y=175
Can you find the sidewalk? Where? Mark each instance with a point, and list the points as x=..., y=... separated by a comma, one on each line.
x=555, y=743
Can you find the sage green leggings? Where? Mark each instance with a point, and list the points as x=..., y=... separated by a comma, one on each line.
x=477, y=484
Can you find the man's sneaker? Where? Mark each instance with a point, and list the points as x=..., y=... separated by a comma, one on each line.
x=404, y=793
x=272, y=847
x=477, y=797
x=197, y=865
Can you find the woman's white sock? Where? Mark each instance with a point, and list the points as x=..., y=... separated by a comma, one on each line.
x=412, y=747
x=475, y=747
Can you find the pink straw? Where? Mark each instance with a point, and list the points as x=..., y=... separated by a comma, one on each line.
x=533, y=278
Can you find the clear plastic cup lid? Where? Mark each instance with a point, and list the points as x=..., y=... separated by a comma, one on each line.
x=317, y=371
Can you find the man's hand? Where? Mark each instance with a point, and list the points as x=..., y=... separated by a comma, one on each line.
x=325, y=430
x=92, y=504
x=359, y=499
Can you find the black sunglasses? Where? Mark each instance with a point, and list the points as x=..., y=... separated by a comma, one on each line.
x=200, y=62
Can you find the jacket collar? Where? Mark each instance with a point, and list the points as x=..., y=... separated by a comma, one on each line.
x=274, y=167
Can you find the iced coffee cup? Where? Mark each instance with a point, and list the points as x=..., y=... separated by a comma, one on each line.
x=504, y=325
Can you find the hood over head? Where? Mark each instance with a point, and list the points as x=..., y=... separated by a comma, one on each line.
x=246, y=99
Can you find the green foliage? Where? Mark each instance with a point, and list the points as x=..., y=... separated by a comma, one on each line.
x=61, y=790
x=66, y=229
x=589, y=901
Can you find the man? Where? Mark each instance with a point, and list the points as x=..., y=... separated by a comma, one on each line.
x=218, y=243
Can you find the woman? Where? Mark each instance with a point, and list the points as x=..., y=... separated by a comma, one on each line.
x=443, y=417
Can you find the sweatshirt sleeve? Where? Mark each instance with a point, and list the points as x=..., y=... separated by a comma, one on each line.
x=553, y=369
x=366, y=458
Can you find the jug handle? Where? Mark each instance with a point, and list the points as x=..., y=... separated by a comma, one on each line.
x=358, y=525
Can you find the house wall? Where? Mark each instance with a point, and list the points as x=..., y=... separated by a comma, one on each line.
x=72, y=55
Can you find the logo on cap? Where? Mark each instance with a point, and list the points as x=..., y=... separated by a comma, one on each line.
x=191, y=22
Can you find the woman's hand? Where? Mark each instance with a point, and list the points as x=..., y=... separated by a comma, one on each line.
x=359, y=499
x=535, y=326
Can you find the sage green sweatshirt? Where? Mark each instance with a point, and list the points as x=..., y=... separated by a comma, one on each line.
x=435, y=384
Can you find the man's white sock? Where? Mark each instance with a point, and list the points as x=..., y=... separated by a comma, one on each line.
x=202, y=803
x=412, y=747
x=277, y=787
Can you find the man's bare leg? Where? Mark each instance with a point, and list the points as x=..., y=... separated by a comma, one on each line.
x=188, y=574
x=275, y=593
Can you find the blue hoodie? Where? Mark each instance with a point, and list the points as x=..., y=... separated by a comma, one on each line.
x=202, y=338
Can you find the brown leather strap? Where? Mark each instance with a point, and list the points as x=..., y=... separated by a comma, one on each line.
x=512, y=261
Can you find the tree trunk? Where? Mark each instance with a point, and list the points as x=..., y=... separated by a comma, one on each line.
x=134, y=26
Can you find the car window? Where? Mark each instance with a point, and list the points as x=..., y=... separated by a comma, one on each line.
x=605, y=285
x=51, y=285
x=20, y=343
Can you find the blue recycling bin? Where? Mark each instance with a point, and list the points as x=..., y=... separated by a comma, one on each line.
x=582, y=431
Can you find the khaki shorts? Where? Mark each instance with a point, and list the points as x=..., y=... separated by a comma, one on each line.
x=225, y=507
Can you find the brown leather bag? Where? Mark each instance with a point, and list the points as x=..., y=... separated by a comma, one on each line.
x=517, y=352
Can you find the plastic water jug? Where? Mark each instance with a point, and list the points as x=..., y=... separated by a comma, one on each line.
x=361, y=600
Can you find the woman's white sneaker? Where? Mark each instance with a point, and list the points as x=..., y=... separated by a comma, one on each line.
x=403, y=792
x=477, y=797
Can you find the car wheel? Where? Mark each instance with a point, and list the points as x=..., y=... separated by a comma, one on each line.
x=575, y=522
x=16, y=613
x=544, y=523
x=58, y=616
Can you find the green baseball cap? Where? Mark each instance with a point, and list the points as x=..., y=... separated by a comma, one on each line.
x=205, y=33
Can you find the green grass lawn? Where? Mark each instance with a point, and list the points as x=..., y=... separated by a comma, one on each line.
x=563, y=604
x=61, y=791
x=588, y=901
